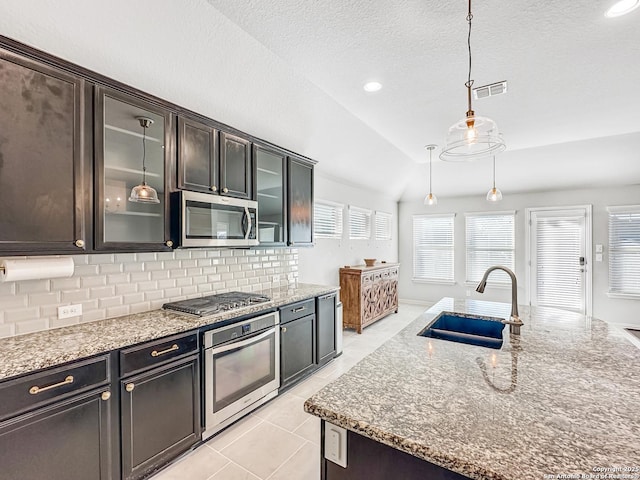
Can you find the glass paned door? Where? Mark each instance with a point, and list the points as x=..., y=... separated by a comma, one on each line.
x=558, y=258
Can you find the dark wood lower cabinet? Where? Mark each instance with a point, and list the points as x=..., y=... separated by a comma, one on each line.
x=326, y=336
x=68, y=440
x=160, y=416
x=370, y=460
x=297, y=349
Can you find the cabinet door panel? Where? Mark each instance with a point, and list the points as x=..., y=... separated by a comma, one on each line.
x=326, y=320
x=41, y=163
x=300, y=203
x=198, y=157
x=160, y=416
x=297, y=348
x=127, y=155
x=270, y=188
x=235, y=166
x=69, y=440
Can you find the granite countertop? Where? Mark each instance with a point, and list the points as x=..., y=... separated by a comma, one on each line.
x=562, y=398
x=26, y=353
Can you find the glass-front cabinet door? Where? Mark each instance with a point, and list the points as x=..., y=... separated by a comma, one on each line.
x=270, y=193
x=133, y=142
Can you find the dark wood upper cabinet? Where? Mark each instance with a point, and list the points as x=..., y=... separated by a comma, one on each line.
x=300, y=202
x=197, y=156
x=236, y=171
x=44, y=162
x=270, y=182
x=128, y=154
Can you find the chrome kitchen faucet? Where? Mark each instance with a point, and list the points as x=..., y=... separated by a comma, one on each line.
x=514, y=321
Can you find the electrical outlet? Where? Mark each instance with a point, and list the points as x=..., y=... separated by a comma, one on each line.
x=335, y=444
x=69, y=311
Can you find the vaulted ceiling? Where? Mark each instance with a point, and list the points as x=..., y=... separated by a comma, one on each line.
x=292, y=71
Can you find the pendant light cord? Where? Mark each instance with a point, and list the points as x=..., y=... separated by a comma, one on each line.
x=469, y=82
x=144, y=155
x=494, y=172
x=430, y=151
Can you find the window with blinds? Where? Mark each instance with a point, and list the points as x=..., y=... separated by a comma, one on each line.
x=433, y=252
x=490, y=241
x=327, y=219
x=382, y=226
x=359, y=223
x=624, y=250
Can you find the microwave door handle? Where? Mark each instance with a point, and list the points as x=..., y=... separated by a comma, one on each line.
x=243, y=343
x=247, y=215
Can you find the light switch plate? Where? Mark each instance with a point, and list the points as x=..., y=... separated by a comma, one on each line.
x=599, y=248
x=335, y=444
x=598, y=257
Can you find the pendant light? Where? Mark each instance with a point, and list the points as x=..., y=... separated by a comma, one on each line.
x=144, y=193
x=494, y=195
x=474, y=136
x=430, y=199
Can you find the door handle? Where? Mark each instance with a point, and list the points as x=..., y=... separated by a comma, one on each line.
x=582, y=261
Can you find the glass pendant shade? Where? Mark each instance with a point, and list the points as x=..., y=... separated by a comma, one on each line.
x=471, y=138
x=494, y=195
x=143, y=193
x=431, y=199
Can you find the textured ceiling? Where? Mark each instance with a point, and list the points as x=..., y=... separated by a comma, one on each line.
x=292, y=71
x=572, y=77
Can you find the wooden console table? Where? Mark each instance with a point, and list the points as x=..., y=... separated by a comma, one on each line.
x=368, y=293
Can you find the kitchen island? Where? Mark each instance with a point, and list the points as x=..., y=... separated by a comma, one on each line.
x=562, y=398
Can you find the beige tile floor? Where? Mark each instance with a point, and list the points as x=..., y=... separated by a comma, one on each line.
x=279, y=441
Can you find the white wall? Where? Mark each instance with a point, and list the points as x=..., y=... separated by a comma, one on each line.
x=320, y=264
x=611, y=309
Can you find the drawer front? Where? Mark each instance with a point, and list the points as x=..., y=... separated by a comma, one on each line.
x=367, y=279
x=156, y=353
x=38, y=389
x=297, y=310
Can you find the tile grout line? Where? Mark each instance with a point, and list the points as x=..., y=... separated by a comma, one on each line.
x=289, y=458
x=262, y=420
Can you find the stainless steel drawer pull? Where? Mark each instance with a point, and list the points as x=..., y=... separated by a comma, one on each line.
x=172, y=348
x=35, y=389
x=299, y=309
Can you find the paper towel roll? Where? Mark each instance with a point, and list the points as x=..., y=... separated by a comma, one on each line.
x=35, y=268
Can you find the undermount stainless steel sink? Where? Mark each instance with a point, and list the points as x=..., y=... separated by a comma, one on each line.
x=464, y=328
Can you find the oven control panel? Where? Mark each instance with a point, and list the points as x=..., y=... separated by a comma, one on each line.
x=237, y=330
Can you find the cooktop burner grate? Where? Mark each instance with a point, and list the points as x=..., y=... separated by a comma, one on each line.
x=211, y=304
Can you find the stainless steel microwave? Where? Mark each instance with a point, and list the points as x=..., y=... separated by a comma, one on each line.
x=208, y=220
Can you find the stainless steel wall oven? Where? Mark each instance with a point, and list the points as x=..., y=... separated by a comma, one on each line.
x=241, y=369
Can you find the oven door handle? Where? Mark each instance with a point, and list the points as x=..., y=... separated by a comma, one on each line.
x=243, y=343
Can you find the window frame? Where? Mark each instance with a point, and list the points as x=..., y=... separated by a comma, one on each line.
x=368, y=214
x=338, y=225
x=615, y=250
x=388, y=218
x=442, y=281
x=491, y=280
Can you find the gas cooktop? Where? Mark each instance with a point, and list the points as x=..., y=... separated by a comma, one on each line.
x=211, y=304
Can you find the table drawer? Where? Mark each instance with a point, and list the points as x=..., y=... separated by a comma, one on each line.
x=44, y=387
x=157, y=352
x=297, y=310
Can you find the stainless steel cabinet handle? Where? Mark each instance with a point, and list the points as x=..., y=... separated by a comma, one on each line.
x=299, y=309
x=169, y=243
x=225, y=190
x=172, y=348
x=129, y=387
x=35, y=389
x=105, y=396
x=213, y=188
x=284, y=329
x=79, y=243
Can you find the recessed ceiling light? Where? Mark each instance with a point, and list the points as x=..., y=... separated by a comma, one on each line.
x=372, y=86
x=622, y=8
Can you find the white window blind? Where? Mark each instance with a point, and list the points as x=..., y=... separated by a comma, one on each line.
x=383, y=226
x=490, y=241
x=624, y=250
x=558, y=249
x=327, y=219
x=433, y=248
x=359, y=223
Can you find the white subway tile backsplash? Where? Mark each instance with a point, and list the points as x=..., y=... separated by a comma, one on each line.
x=110, y=285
